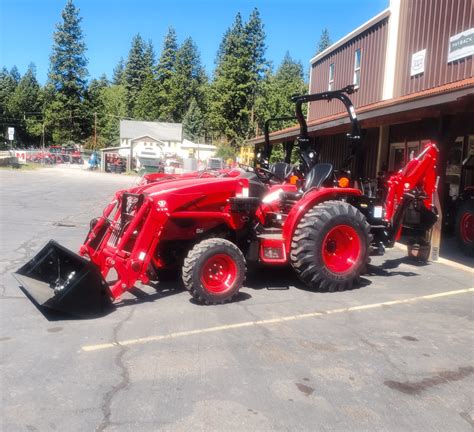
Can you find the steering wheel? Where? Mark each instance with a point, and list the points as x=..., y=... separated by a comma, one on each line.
x=263, y=174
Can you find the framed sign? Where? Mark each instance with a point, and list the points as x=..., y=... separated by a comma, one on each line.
x=461, y=45
x=418, y=63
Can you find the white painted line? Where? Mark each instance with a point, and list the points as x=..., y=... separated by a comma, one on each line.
x=270, y=321
x=444, y=261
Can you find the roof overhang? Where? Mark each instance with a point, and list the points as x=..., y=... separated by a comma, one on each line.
x=413, y=107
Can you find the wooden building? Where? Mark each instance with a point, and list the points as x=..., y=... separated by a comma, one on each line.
x=413, y=66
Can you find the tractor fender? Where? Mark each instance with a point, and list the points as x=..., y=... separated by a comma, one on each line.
x=309, y=200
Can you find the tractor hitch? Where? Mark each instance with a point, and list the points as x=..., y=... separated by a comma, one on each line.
x=56, y=278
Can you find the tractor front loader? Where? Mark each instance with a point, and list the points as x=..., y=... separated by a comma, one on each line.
x=325, y=225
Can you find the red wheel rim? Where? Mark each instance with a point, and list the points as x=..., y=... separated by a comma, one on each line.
x=341, y=248
x=218, y=273
x=467, y=227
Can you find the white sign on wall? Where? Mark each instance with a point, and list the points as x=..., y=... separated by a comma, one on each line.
x=461, y=45
x=418, y=63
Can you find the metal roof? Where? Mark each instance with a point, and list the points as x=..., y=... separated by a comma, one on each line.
x=371, y=22
x=161, y=131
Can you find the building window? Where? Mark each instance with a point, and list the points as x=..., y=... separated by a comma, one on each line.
x=356, y=80
x=331, y=77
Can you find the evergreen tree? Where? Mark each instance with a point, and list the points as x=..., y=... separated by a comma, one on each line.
x=194, y=122
x=67, y=74
x=324, y=41
x=147, y=106
x=135, y=71
x=240, y=68
x=187, y=79
x=149, y=56
x=114, y=107
x=165, y=71
x=118, y=73
x=275, y=99
x=230, y=89
x=24, y=105
x=167, y=60
x=8, y=84
x=15, y=74
x=94, y=92
x=258, y=64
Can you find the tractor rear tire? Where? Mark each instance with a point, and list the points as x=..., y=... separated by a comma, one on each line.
x=214, y=271
x=465, y=227
x=330, y=246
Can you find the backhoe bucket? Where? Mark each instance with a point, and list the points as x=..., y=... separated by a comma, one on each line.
x=58, y=279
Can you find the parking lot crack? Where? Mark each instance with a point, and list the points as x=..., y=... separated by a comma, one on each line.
x=124, y=382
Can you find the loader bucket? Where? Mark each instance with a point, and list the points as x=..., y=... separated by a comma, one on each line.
x=58, y=279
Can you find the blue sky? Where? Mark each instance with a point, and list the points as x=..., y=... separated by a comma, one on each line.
x=108, y=25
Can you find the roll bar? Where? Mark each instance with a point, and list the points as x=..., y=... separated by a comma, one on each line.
x=329, y=96
x=307, y=156
x=267, y=150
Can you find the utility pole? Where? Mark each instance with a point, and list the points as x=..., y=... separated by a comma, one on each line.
x=95, y=131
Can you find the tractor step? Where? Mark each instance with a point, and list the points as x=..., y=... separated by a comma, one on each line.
x=271, y=236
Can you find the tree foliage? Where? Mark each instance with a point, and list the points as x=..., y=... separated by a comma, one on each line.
x=227, y=109
x=324, y=41
x=66, y=115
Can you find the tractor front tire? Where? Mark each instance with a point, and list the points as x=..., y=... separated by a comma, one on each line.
x=214, y=271
x=330, y=246
x=465, y=227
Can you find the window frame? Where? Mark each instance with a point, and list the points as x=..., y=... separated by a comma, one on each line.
x=356, y=76
x=332, y=69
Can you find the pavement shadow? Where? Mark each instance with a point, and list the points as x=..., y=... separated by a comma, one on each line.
x=241, y=296
x=284, y=278
x=390, y=266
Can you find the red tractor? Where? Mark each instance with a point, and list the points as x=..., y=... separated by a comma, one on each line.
x=325, y=226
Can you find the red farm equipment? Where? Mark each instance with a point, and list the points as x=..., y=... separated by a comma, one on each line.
x=325, y=225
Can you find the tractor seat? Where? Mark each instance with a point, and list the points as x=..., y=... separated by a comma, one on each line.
x=281, y=170
x=315, y=179
x=317, y=176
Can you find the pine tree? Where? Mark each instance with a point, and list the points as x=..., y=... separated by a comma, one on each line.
x=324, y=41
x=15, y=74
x=135, y=71
x=118, y=72
x=8, y=84
x=24, y=105
x=165, y=71
x=67, y=75
x=236, y=79
x=149, y=56
x=147, y=105
x=166, y=63
x=187, y=79
x=258, y=64
x=194, y=122
x=275, y=100
x=114, y=105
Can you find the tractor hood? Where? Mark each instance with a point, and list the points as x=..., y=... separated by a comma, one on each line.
x=195, y=193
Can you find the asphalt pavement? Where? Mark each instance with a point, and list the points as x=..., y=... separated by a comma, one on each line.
x=395, y=354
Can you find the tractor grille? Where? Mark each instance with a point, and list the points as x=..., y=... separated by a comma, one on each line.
x=129, y=206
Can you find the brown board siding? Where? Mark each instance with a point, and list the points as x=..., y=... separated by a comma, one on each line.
x=428, y=24
x=372, y=44
x=335, y=149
